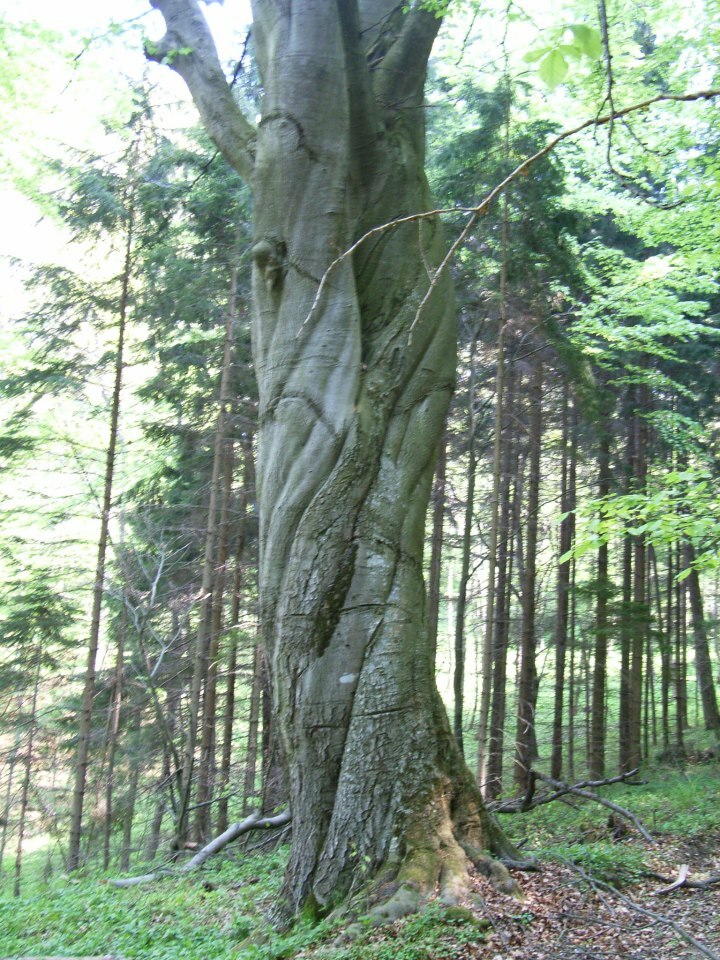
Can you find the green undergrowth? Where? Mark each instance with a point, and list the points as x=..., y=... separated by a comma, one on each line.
x=220, y=912
x=196, y=917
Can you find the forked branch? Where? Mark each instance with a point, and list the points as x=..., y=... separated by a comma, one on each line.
x=584, y=789
x=475, y=212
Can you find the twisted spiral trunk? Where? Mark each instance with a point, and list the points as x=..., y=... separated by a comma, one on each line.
x=353, y=393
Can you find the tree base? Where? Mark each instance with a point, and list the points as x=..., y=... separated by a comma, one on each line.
x=440, y=852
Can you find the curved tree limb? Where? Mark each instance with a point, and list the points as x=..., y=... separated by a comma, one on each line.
x=189, y=49
x=254, y=822
x=682, y=880
x=475, y=212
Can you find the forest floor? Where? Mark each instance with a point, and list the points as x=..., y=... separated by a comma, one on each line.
x=567, y=917
x=595, y=897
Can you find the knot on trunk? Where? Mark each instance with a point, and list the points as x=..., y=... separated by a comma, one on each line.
x=270, y=258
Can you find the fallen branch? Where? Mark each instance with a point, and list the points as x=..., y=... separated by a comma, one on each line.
x=682, y=880
x=601, y=885
x=564, y=788
x=529, y=800
x=254, y=822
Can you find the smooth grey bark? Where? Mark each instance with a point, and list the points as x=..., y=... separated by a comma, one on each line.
x=353, y=393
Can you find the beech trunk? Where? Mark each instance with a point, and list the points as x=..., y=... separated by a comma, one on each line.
x=356, y=365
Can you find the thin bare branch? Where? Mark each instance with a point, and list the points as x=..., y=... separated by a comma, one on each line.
x=475, y=212
x=600, y=885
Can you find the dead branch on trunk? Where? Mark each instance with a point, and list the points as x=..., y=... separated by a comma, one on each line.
x=600, y=886
x=254, y=822
x=682, y=880
x=530, y=800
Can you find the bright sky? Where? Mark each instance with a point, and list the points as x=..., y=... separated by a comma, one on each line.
x=71, y=111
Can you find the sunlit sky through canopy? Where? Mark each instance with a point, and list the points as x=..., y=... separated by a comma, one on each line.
x=82, y=82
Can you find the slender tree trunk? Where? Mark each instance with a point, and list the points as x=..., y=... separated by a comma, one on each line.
x=11, y=764
x=113, y=731
x=493, y=784
x=253, y=729
x=86, y=710
x=156, y=827
x=500, y=401
x=639, y=605
x=627, y=612
x=573, y=685
x=680, y=675
x=206, y=767
x=459, y=674
x=131, y=795
x=27, y=775
x=664, y=643
x=527, y=686
x=203, y=636
x=229, y=716
x=703, y=664
x=567, y=528
x=602, y=598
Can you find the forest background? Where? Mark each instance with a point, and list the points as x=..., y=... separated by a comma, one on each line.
x=572, y=554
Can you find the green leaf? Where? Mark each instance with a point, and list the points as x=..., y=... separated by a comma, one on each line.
x=532, y=56
x=571, y=51
x=553, y=69
x=588, y=39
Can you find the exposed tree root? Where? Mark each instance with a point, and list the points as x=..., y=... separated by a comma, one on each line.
x=440, y=848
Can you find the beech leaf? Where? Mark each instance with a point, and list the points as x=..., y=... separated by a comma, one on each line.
x=553, y=69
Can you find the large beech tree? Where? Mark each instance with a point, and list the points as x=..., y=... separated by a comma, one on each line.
x=354, y=379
